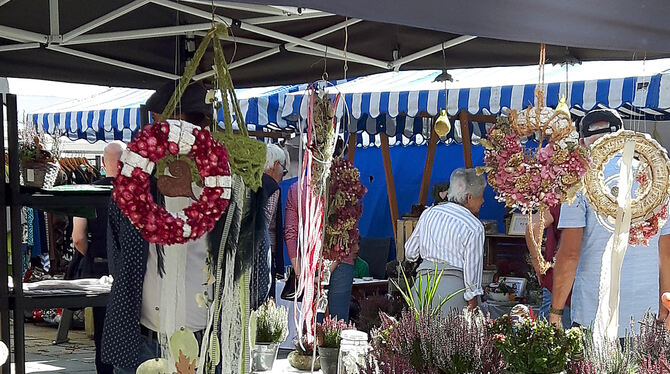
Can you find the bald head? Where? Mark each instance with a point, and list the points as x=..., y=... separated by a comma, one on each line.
x=111, y=156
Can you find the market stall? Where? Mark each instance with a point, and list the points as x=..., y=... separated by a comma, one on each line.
x=30, y=49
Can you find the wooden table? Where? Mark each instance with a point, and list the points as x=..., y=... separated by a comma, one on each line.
x=362, y=288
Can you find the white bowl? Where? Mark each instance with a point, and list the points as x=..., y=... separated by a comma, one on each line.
x=500, y=297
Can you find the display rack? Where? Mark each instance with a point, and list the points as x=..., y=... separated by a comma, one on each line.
x=15, y=300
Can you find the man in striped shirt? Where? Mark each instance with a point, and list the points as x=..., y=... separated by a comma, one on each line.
x=450, y=238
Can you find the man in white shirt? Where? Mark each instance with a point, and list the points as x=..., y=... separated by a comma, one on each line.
x=583, y=241
x=449, y=237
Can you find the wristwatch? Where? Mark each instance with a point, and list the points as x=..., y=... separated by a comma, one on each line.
x=558, y=312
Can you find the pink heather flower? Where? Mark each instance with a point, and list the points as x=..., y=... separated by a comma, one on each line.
x=545, y=153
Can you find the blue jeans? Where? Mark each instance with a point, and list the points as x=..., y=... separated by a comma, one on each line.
x=150, y=349
x=339, y=291
x=546, y=304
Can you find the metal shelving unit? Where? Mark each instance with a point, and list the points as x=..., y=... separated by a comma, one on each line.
x=15, y=300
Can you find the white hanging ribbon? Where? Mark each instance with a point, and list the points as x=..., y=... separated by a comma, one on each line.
x=606, y=325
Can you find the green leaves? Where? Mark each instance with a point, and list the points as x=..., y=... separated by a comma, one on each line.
x=425, y=292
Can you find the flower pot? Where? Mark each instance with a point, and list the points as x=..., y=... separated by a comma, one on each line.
x=263, y=356
x=303, y=362
x=328, y=358
x=39, y=174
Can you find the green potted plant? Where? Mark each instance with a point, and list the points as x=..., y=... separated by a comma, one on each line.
x=38, y=166
x=535, y=346
x=328, y=338
x=271, y=329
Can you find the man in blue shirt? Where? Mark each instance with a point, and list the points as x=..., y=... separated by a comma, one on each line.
x=583, y=242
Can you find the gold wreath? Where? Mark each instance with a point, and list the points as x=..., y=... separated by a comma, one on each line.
x=650, y=199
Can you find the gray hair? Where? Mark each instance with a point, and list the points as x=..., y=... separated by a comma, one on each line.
x=273, y=154
x=114, y=149
x=464, y=182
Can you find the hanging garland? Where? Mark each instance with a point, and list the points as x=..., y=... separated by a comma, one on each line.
x=321, y=128
x=132, y=186
x=345, y=210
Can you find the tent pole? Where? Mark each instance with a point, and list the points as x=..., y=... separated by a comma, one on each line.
x=274, y=49
x=54, y=20
x=430, y=50
x=464, y=118
x=351, y=147
x=111, y=61
x=285, y=18
x=104, y=19
x=19, y=47
x=428, y=168
x=138, y=34
x=390, y=183
x=19, y=35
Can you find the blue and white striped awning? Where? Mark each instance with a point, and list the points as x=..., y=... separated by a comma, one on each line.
x=400, y=104
x=261, y=107
x=402, y=114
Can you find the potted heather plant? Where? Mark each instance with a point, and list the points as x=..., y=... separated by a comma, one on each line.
x=433, y=343
x=329, y=338
x=535, y=346
x=38, y=166
x=303, y=355
x=271, y=329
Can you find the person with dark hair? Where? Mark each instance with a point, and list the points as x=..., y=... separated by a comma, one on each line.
x=132, y=323
x=191, y=108
x=342, y=272
x=583, y=242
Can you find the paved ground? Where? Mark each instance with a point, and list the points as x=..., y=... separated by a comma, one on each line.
x=74, y=357
x=78, y=355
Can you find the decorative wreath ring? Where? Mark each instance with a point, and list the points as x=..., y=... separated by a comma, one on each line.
x=650, y=205
x=533, y=182
x=132, y=185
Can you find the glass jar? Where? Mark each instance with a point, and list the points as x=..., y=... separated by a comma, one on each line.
x=353, y=350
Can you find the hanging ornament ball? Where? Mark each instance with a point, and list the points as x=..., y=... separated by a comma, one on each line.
x=442, y=124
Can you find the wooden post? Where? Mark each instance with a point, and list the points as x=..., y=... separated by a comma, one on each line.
x=428, y=168
x=464, y=118
x=390, y=184
x=351, y=147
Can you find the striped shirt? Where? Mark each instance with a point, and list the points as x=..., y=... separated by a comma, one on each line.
x=450, y=233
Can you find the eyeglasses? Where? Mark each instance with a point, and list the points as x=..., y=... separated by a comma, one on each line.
x=284, y=171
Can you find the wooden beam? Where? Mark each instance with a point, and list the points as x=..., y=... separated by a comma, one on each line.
x=351, y=147
x=464, y=118
x=390, y=184
x=482, y=118
x=428, y=168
